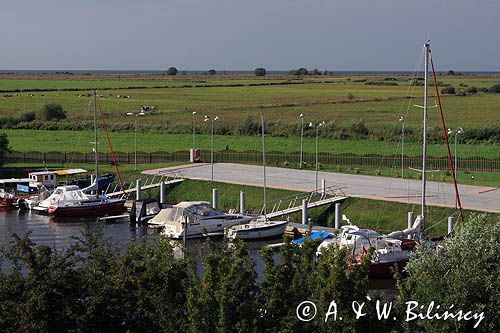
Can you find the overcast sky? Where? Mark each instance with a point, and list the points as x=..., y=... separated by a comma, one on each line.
x=244, y=34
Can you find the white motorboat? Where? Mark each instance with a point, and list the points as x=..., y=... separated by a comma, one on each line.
x=257, y=230
x=195, y=219
x=62, y=196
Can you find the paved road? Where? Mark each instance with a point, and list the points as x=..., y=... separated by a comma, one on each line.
x=390, y=189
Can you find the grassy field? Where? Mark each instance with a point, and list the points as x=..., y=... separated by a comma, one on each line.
x=338, y=99
x=71, y=141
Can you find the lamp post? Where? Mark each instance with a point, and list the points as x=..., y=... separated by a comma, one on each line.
x=301, y=139
x=207, y=118
x=135, y=134
x=317, y=139
x=402, y=121
x=194, y=128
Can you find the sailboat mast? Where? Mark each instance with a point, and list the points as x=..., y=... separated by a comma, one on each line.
x=264, y=166
x=424, y=145
x=96, y=143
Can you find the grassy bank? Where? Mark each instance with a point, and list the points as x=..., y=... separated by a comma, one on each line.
x=75, y=141
x=375, y=214
x=380, y=215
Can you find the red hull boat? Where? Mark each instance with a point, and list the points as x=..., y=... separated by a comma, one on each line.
x=7, y=202
x=93, y=208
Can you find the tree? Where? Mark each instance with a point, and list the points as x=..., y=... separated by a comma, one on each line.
x=315, y=72
x=464, y=273
x=212, y=72
x=260, y=71
x=53, y=112
x=172, y=71
x=302, y=71
x=451, y=72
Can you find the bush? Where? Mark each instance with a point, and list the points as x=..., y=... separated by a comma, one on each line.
x=358, y=128
x=53, y=112
x=461, y=93
x=483, y=90
x=448, y=90
x=212, y=72
x=260, y=71
x=471, y=90
x=27, y=117
x=495, y=88
x=4, y=148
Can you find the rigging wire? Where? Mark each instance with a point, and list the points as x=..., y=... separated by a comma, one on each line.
x=79, y=136
x=110, y=146
x=409, y=100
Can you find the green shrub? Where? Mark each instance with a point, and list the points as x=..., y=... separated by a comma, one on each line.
x=448, y=90
x=461, y=93
x=27, y=117
x=495, y=88
x=53, y=112
x=471, y=90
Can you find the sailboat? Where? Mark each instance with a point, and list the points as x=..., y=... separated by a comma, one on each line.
x=71, y=201
x=392, y=250
x=263, y=227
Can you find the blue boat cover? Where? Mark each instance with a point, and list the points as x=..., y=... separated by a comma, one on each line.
x=314, y=236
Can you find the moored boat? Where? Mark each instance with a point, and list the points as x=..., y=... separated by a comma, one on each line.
x=257, y=230
x=194, y=219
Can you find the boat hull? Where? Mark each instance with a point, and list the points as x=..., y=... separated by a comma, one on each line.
x=91, y=209
x=268, y=231
x=7, y=202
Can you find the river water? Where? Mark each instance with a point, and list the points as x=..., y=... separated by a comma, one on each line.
x=58, y=234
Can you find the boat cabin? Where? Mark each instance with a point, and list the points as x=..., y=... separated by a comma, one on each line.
x=46, y=178
x=17, y=185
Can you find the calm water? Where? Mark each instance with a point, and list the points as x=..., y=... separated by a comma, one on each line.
x=57, y=234
x=45, y=230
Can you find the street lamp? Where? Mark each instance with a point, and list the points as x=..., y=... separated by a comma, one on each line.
x=194, y=128
x=456, y=133
x=207, y=118
x=317, y=138
x=301, y=139
x=140, y=114
x=402, y=121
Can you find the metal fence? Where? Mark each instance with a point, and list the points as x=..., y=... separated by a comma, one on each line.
x=255, y=157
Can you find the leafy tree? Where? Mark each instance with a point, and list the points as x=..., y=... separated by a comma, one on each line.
x=302, y=71
x=260, y=71
x=172, y=71
x=451, y=72
x=212, y=72
x=464, y=273
x=53, y=112
x=4, y=148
